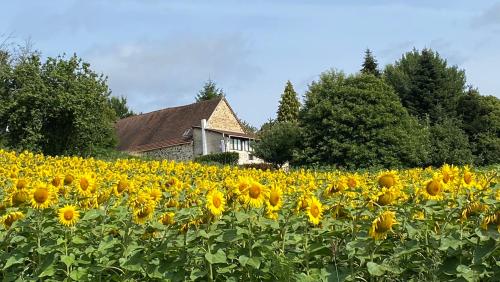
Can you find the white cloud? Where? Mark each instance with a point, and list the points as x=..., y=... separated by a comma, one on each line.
x=156, y=74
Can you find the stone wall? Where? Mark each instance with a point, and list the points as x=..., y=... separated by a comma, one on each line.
x=223, y=118
x=178, y=153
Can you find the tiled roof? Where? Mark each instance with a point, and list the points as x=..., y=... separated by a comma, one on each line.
x=163, y=128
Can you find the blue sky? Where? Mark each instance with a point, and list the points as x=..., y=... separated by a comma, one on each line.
x=159, y=53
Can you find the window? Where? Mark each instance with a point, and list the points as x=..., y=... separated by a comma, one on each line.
x=240, y=144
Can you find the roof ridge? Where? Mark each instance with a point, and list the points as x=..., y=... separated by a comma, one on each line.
x=176, y=107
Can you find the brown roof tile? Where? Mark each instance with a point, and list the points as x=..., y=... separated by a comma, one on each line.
x=162, y=128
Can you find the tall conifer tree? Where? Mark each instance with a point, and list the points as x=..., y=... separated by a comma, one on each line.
x=370, y=65
x=288, y=110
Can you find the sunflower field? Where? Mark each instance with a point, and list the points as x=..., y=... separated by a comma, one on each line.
x=69, y=218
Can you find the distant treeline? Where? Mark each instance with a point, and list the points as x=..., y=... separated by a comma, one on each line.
x=418, y=111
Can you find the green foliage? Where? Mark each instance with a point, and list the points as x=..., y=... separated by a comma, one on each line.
x=358, y=121
x=278, y=143
x=426, y=84
x=370, y=65
x=480, y=117
x=119, y=105
x=247, y=127
x=59, y=106
x=209, y=92
x=288, y=109
x=225, y=158
x=449, y=144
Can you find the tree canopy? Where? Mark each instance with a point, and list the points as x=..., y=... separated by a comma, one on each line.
x=277, y=143
x=358, y=121
x=209, y=92
x=56, y=106
x=426, y=85
x=119, y=105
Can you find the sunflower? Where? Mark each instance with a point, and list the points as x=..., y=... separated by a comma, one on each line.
x=468, y=178
x=168, y=218
x=68, y=179
x=142, y=215
x=449, y=173
x=387, y=179
x=275, y=202
x=337, y=186
x=215, y=202
x=10, y=218
x=19, y=197
x=21, y=184
x=255, y=194
x=473, y=209
x=68, y=215
x=386, y=197
x=122, y=186
x=86, y=185
x=434, y=187
x=41, y=196
x=492, y=219
x=382, y=225
x=314, y=210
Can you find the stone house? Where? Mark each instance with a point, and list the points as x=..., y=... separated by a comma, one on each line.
x=185, y=132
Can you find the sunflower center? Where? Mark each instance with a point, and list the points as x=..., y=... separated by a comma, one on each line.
x=351, y=182
x=144, y=213
x=433, y=187
x=41, y=195
x=84, y=184
x=56, y=181
x=68, y=179
x=217, y=202
x=314, y=210
x=21, y=184
x=254, y=192
x=68, y=214
x=122, y=185
x=274, y=198
x=468, y=177
x=386, y=181
x=385, y=199
x=384, y=224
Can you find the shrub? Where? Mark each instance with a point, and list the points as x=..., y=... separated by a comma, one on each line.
x=226, y=158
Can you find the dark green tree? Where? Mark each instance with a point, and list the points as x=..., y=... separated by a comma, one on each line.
x=358, y=121
x=59, y=106
x=288, y=109
x=209, y=92
x=370, y=65
x=449, y=144
x=426, y=85
x=119, y=105
x=480, y=116
x=278, y=143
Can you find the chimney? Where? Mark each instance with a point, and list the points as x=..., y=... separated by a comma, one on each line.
x=204, y=136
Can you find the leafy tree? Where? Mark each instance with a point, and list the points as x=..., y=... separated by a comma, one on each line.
x=247, y=127
x=358, y=121
x=59, y=106
x=480, y=117
x=209, y=92
x=278, y=143
x=449, y=144
x=426, y=84
x=288, y=109
x=119, y=105
x=370, y=65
